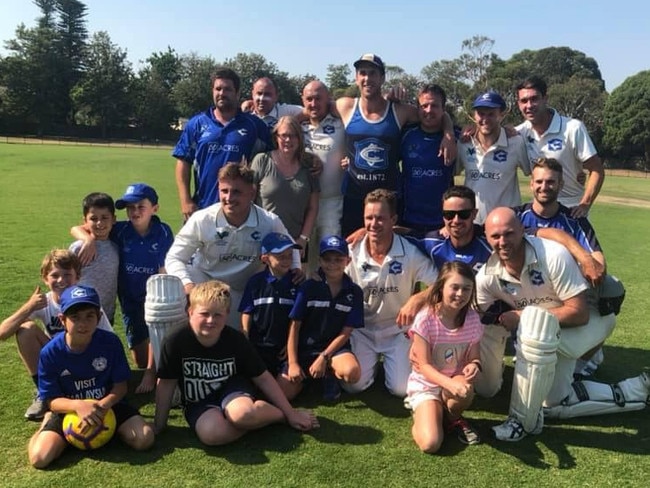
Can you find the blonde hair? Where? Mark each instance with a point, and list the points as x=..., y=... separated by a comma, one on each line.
x=295, y=127
x=211, y=293
x=60, y=258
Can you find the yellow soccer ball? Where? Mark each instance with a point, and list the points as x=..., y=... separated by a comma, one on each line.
x=93, y=438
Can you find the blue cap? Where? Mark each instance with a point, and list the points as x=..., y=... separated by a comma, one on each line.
x=275, y=242
x=76, y=295
x=372, y=59
x=334, y=243
x=489, y=100
x=136, y=192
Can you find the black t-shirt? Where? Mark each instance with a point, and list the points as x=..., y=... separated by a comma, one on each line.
x=201, y=370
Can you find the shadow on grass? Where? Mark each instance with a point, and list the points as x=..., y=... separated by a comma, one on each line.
x=624, y=433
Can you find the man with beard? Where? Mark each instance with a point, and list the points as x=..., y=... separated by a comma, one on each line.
x=549, y=134
x=211, y=139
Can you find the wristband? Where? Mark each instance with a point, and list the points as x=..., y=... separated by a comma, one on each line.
x=303, y=237
x=326, y=357
x=478, y=364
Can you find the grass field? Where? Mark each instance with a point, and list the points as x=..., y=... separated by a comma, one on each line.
x=363, y=440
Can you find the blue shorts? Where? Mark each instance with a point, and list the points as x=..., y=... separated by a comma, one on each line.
x=135, y=326
x=122, y=410
x=236, y=386
x=305, y=359
x=270, y=357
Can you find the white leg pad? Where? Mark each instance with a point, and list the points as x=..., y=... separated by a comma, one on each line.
x=538, y=337
x=592, y=398
x=164, y=308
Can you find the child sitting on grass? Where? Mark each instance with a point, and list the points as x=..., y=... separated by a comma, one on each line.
x=325, y=313
x=445, y=358
x=267, y=300
x=60, y=269
x=83, y=363
x=218, y=372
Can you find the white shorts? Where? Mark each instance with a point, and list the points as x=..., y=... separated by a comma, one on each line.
x=414, y=400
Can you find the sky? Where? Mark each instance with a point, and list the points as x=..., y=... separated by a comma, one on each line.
x=306, y=36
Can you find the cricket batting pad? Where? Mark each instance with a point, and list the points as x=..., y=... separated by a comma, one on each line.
x=538, y=337
x=164, y=307
x=591, y=398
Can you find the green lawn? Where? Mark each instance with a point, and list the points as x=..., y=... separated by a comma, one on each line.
x=363, y=440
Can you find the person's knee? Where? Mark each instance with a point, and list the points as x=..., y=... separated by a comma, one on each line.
x=349, y=373
x=143, y=439
x=26, y=333
x=487, y=387
x=210, y=436
x=39, y=460
x=428, y=444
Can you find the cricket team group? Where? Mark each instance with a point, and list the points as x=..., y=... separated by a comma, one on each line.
x=321, y=243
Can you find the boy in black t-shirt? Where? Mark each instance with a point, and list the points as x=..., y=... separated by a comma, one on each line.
x=217, y=370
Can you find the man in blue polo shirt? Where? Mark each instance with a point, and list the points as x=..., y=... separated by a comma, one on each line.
x=267, y=300
x=213, y=138
x=425, y=176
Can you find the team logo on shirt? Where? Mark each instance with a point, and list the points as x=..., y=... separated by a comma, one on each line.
x=329, y=129
x=555, y=145
x=536, y=277
x=488, y=175
x=100, y=363
x=500, y=156
x=449, y=355
x=154, y=248
x=371, y=155
x=507, y=287
x=471, y=151
x=395, y=268
x=242, y=132
x=222, y=233
x=365, y=267
x=531, y=140
x=426, y=173
x=256, y=236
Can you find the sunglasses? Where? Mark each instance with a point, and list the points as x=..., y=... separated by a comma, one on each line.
x=462, y=214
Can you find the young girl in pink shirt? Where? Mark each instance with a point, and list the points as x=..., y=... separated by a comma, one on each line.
x=445, y=358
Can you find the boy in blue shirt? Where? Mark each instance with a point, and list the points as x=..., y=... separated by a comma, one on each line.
x=143, y=241
x=268, y=298
x=83, y=363
x=325, y=313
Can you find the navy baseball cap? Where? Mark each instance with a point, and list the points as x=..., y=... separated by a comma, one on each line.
x=136, y=192
x=76, y=295
x=334, y=243
x=275, y=242
x=489, y=100
x=372, y=59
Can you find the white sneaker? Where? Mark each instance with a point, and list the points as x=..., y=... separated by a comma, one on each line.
x=512, y=429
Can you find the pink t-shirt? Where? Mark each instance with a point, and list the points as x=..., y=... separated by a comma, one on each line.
x=449, y=348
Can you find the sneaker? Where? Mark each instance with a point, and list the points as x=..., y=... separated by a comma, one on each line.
x=512, y=429
x=466, y=433
x=36, y=411
x=331, y=388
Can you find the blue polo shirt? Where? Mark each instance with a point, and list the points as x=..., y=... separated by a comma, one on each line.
x=208, y=145
x=323, y=316
x=580, y=229
x=140, y=258
x=425, y=178
x=440, y=249
x=268, y=300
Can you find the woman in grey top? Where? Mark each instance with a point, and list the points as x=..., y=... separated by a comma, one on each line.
x=285, y=184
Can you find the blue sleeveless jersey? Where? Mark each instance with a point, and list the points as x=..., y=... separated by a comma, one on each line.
x=373, y=150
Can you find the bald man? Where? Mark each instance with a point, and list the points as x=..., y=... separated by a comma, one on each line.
x=324, y=137
x=265, y=102
x=549, y=304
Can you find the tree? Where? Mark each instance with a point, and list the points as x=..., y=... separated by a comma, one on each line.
x=448, y=74
x=103, y=93
x=475, y=62
x=252, y=66
x=338, y=76
x=583, y=99
x=627, y=117
x=554, y=64
x=192, y=93
x=155, y=111
x=298, y=82
x=71, y=40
